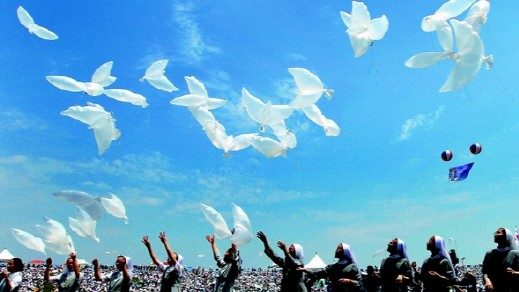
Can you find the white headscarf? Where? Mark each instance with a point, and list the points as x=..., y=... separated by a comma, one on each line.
x=401, y=248
x=299, y=251
x=439, y=244
x=129, y=263
x=180, y=259
x=348, y=255
x=180, y=265
x=511, y=239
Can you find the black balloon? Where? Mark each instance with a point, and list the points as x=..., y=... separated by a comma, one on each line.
x=446, y=155
x=475, y=148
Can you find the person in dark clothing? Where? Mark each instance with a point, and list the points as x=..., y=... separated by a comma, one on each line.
x=230, y=266
x=437, y=272
x=292, y=280
x=395, y=270
x=372, y=280
x=501, y=265
x=344, y=275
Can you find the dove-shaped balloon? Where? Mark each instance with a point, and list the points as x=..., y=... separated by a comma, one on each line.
x=83, y=225
x=125, y=95
x=215, y=131
x=26, y=20
x=115, y=207
x=314, y=114
x=156, y=78
x=28, y=240
x=448, y=10
x=85, y=201
x=309, y=88
x=56, y=237
x=100, y=79
x=265, y=114
x=285, y=136
x=478, y=14
x=268, y=146
x=361, y=29
x=467, y=59
x=197, y=97
x=97, y=119
x=240, y=235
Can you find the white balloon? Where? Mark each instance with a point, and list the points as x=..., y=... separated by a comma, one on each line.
x=469, y=57
x=125, y=95
x=262, y=113
x=26, y=20
x=86, y=202
x=115, y=207
x=478, y=14
x=268, y=146
x=221, y=230
x=314, y=114
x=361, y=29
x=56, y=237
x=155, y=76
x=309, y=88
x=99, y=120
x=101, y=78
x=28, y=240
x=83, y=225
x=448, y=10
x=197, y=97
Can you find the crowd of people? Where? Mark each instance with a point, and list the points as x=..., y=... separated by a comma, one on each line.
x=440, y=272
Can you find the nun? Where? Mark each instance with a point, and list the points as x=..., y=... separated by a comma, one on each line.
x=119, y=280
x=293, y=279
x=69, y=280
x=501, y=264
x=172, y=272
x=437, y=273
x=344, y=275
x=230, y=266
x=395, y=270
x=13, y=277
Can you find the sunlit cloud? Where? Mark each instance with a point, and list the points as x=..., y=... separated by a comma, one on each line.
x=193, y=47
x=420, y=120
x=12, y=120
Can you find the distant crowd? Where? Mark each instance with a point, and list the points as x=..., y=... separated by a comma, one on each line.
x=441, y=272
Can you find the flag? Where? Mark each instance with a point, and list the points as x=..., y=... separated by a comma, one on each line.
x=459, y=173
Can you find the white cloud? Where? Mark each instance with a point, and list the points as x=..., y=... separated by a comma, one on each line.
x=193, y=46
x=15, y=120
x=297, y=57
x=420, y=120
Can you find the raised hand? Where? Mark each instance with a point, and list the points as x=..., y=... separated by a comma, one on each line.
x=210, y=238
x=261, y=236
x=162, y=236
x=146, y=241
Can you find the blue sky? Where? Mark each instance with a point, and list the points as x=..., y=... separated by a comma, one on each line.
x=381, y=178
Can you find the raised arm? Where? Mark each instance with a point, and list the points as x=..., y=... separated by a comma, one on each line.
x=170, y=253
x=46, y=274
x=126, y=274
x=212, y=242
x=147, y=243
x=97, y=273
x=268, y=251
x=75, y=265
x=288, y=257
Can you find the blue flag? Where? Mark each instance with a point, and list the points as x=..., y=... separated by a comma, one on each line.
x=460, y=172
